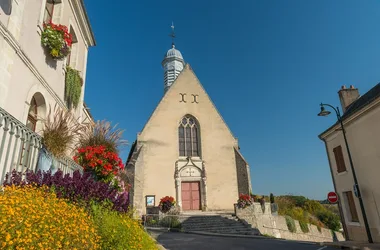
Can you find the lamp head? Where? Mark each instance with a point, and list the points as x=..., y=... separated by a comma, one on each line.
x=324, y=112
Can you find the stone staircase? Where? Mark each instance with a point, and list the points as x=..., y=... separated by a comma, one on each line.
x=216, y=223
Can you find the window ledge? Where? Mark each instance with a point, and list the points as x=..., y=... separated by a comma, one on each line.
x=352, y=223
x=196, y=158
x=342, y=173
x=193, y=158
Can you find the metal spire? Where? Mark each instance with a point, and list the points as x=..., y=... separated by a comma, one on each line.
x=172, y=35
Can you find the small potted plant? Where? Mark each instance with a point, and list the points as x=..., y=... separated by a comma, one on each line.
x=244, y=201
x=166, y=203
x=59, y=133
x=57, y=39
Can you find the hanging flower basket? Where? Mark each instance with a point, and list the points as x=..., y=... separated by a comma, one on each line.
x=244, y=201
x=166, y=203
x=57, y=40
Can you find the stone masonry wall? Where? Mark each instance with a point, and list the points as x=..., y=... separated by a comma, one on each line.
x=242, y=174
x=275, y=225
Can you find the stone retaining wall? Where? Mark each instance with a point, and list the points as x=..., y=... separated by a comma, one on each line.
x=275, y=225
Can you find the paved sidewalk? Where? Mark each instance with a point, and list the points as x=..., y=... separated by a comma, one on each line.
x=353, y=245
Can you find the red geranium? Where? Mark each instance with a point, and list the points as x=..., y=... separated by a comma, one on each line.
x=166, y=203
x=102, y=163
x=57, y=38
x=244, y=201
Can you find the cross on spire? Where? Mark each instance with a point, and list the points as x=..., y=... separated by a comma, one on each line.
x=172, y=35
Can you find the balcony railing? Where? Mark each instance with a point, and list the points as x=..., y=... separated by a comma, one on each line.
x=19, y=147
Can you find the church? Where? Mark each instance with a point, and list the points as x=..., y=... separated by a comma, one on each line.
x=186, y=150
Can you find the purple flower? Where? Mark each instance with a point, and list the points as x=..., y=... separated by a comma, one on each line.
x=77, y=188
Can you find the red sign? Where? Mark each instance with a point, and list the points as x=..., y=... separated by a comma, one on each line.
x=332, y=197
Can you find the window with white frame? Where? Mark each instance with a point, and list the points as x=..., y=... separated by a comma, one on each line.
x=49, y=10
x=71, y=59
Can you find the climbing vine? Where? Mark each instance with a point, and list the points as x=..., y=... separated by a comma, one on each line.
x=73, y=87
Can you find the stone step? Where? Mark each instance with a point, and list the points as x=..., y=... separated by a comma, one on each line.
x=220, y=223
x=223, y=223
x=213, y=227
x=209, y=219
x=241, y=232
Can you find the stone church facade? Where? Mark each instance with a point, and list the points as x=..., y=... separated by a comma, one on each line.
x=186, y=149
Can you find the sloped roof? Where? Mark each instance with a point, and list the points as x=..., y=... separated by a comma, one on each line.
x=131, y=152
x=359, y=104
x=363, y=101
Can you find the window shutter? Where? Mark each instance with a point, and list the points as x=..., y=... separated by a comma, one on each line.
x=340, y=164
x=351, y=204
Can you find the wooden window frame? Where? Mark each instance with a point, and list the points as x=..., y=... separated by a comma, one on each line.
x=339, y=159
x=349, y=197
x=46, y=10
x=32, y=119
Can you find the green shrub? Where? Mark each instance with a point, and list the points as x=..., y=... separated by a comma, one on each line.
x=304, y=226
x=300, y=200
x=330, y=219
x=170, y=222
x=119, y=231
x=317, y=223
x=291, y=224
x=313, y=206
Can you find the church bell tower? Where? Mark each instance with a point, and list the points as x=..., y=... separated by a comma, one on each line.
x=173, y=64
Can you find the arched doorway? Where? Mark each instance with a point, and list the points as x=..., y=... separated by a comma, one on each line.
x=36, y=112
x=190, y=183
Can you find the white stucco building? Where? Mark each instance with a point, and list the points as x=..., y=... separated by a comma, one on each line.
x=31, y=81
x=361, y=119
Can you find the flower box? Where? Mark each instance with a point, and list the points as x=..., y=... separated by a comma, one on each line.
x=57, y=39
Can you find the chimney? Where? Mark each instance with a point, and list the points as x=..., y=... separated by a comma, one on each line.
x=347, y=96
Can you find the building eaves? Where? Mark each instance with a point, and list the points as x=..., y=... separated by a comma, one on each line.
x=363, y=101
x=241, y=156
x=88, y=110
x=131, y=152
x=92, y=41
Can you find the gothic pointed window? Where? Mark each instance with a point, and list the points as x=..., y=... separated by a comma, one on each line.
x=188, y=135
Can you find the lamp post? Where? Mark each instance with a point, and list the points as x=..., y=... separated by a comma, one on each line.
x=326, y=113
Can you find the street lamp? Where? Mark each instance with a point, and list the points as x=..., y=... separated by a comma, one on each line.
x=325, y=112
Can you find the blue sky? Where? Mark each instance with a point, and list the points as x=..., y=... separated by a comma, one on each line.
x=266, y=65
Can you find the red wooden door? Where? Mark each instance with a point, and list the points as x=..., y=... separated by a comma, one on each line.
x=191, y=196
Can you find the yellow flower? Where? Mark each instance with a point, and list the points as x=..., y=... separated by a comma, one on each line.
x=7, y=237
